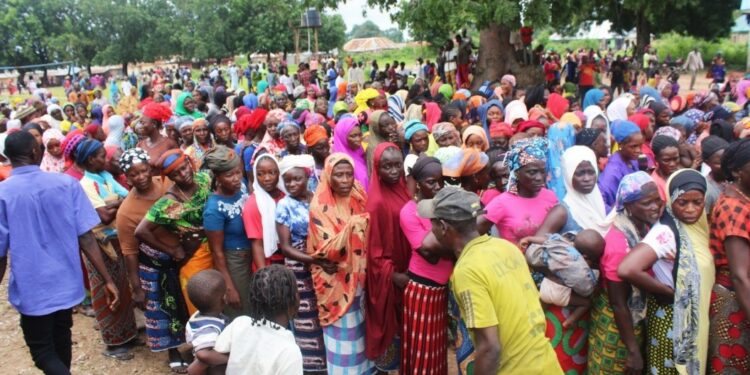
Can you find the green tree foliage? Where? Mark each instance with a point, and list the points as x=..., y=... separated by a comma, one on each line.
x=333, y=33
x=368, y=29
x=265, y=25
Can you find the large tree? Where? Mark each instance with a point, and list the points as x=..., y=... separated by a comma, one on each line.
x=707, y=19
x=333, y=32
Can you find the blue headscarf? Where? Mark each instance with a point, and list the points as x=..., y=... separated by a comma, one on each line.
x=561, y=136
x=523, y=152
x=622, y=129
x=648, y=94
x=483, y=109
x=631, y=189
x=250, y=101
x=86, y=149
x=686, y=122
x=411, y=127
x=592, y=97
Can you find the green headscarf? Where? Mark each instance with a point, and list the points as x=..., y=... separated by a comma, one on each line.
x=262, y=86
x=180, y=107
x=446, y=90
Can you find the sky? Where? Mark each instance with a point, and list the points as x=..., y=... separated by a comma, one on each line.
x=351, y=11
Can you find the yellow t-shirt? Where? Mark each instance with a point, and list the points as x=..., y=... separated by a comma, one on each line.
x=493, y=287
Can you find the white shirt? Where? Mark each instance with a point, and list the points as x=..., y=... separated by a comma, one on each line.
x=450, y=59
x=259, y=349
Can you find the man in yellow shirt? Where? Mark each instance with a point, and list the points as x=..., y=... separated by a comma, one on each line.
x=497, y=297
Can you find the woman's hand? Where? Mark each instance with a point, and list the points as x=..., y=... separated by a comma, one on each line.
x=232, y=298
x=139, y=298
x=112, y=295
x=400, y=279
x=634, y=363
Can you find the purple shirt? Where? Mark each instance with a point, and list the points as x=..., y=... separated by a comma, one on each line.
x=41, y=216
x=610, y=178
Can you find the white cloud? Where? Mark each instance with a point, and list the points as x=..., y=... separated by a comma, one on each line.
x=351, y=11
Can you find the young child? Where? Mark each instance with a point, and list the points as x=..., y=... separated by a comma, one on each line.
x=260, y=344
x=206, y=291
x=568, y=265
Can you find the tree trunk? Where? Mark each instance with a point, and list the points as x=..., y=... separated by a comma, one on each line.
x=88, y=69
x=642, y=35
x=45, y=78
x=125, y=68
x=497, y=58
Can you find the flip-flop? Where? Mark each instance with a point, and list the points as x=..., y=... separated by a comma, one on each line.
x=178, y=367
x=120, y=354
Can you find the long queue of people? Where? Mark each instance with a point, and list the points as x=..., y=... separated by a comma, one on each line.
x=261, y=233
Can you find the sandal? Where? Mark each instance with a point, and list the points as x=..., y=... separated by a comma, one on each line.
x=119, y=353
x=87, y=311
x=178, y=367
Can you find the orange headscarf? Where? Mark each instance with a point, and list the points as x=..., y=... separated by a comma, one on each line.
x=337, y=223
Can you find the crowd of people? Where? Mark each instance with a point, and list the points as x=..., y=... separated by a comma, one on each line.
x=314, y=225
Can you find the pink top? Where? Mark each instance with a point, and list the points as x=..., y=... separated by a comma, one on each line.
x=488, y=195
x=517, y=217
x=614, y=251
x=415, y=229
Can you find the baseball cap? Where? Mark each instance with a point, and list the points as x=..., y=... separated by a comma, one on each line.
x=450, y=203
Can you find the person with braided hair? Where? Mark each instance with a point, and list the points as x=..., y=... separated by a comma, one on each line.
x=259, y=344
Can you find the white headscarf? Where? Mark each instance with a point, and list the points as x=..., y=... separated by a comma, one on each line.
x=592, y=112
x=267, y=208
x=588, y=210
x=116, y=129
x=290, y=162
x=618, y=109
x=516, y=110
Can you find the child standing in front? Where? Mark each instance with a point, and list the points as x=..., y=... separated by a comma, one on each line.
x=206, y=291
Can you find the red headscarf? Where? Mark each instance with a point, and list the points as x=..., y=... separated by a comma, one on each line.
x=526, y=125
x=157, y=112
x=432, y=114
x=242, y=111
x=386, y=254
x=91, y=130
x=252, y=121
x=557, y=105
x=500, y=129
x=641, y=120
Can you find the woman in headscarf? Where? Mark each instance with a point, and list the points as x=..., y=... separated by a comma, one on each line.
x=184, y=127
x=250, y=101
x=252, y=130
x=475, y=137
x=347, y=139
x=432, y=113
x=557, y=106
x=185, y=106
x=272, y=142
x=507, y=86
x=712, y=150
x=180, y=212
x=424, y=343
x=516, y=112
x=387, y=257
x=319, y=146
x=465, y=167
x=292, y=225
x=128, y=103
x=620, y=109
x=561, y=137
x=291, y=135
x=625, y=161
x=647, y=129
x=730, y=243
x=338, y=220
x=500, y=134
x=526, y=160
x=383, y=128
x=117, y=327
x=673, y=262
x=52, y=161
x=396, y=108
x=615, y=339
x=259, y=212
x=490, y=113
x=667, y=156
x=532, y=128
x=445, y=134
x=417, y=142
x=149, y=130
x=116, y=132
x=222, y=221
x=153, y=275
x=594, y=97
x=203, y=141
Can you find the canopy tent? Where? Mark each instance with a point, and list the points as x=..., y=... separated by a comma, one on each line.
x=369, y=44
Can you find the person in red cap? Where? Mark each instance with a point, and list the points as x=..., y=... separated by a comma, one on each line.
x=148, y=128
x=250, y=127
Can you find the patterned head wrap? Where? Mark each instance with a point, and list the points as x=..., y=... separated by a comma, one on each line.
x=669, y=132
x=631, y=189
x=171, y=160
x=522, y=153
x=132, y=157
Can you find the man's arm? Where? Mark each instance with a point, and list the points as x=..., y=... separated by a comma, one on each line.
x=487, y=350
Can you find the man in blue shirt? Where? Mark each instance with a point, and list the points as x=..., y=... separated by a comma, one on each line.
x=44, y=218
